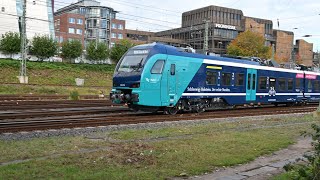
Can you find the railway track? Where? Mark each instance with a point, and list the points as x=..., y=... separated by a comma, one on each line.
x=45, y=97
x=106, y=115
x=24, y=105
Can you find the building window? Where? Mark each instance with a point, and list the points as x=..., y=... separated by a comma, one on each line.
x=103, y=23
x=120, y=36
x=113, y=35
x=79, y=21
x=3, y=9
x=61, y=39
x=79, y=31
x=113, y=15
x=120, y=26
x=57, y=22
x=71, y=30
x=72, y=20
x=113, y=44
x=114, y=26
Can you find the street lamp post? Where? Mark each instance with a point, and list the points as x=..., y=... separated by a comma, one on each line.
x=220, y=43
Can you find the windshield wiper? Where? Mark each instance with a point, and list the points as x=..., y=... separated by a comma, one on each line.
x=139, y=65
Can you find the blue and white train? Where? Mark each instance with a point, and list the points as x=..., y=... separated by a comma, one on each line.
x=157, y=77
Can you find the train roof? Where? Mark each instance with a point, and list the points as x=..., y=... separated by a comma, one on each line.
x=171, y=50
x=156, y=48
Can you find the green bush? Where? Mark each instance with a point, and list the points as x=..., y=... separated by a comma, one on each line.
x=43, y=47
x=74, y=95
x=10, y=43
x=311, y=170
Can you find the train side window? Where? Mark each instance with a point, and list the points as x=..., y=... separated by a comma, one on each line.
x=309, y=84
x=157, y=67
x=253, y=82
x=240, y=79
x=211, y=78
x=297, y=83
x=263, y=83
x=173, y=69
x=249, y=81
x=226, y=79
x=290, y=84
x=282, y=84
x=316, y=85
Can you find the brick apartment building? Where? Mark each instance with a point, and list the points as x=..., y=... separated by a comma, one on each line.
x=96, y=22
x=118, y=31
x=69, y=26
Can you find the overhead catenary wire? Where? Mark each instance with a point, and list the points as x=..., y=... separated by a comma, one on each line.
x=140, y=6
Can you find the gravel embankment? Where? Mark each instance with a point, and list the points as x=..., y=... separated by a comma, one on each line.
x=99, y=129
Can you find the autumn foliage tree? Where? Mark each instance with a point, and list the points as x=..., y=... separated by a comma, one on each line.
x=250, y=44
x=120, y=49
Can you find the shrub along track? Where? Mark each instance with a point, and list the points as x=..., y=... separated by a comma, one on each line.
x=42, y=119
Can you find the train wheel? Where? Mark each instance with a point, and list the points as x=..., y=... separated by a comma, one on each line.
x=171, y=110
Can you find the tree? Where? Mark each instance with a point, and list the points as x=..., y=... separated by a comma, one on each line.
x=71, y=49
x=97, y=51
x=10, y=43
x=120, y=49
x=43, y=47
x=249, y=44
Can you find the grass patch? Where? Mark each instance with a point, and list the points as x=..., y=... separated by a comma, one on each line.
x=150, y=154
x=50, y=90
x=46, y=73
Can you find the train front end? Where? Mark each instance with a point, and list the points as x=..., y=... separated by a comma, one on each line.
x=127, y=77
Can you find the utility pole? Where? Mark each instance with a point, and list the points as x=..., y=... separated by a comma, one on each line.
x=272, y=52
x=318, y=58
x=23, y=78
x=206, y=38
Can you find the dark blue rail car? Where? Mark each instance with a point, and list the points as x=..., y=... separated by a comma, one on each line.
x=159, y=77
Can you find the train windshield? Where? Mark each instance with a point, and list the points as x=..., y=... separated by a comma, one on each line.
x=133, y=61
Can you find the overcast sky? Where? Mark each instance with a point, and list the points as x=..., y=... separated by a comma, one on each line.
x=158, y=15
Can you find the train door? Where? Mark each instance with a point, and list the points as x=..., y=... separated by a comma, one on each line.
x=251, y=85
x=172, y=83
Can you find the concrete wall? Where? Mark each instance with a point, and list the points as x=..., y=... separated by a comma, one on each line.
x=284, y=45
x=305, y=52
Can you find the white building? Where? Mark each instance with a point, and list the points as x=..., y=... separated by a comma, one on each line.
x=39, y=17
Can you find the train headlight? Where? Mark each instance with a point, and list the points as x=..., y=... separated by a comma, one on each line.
x=135, y=85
